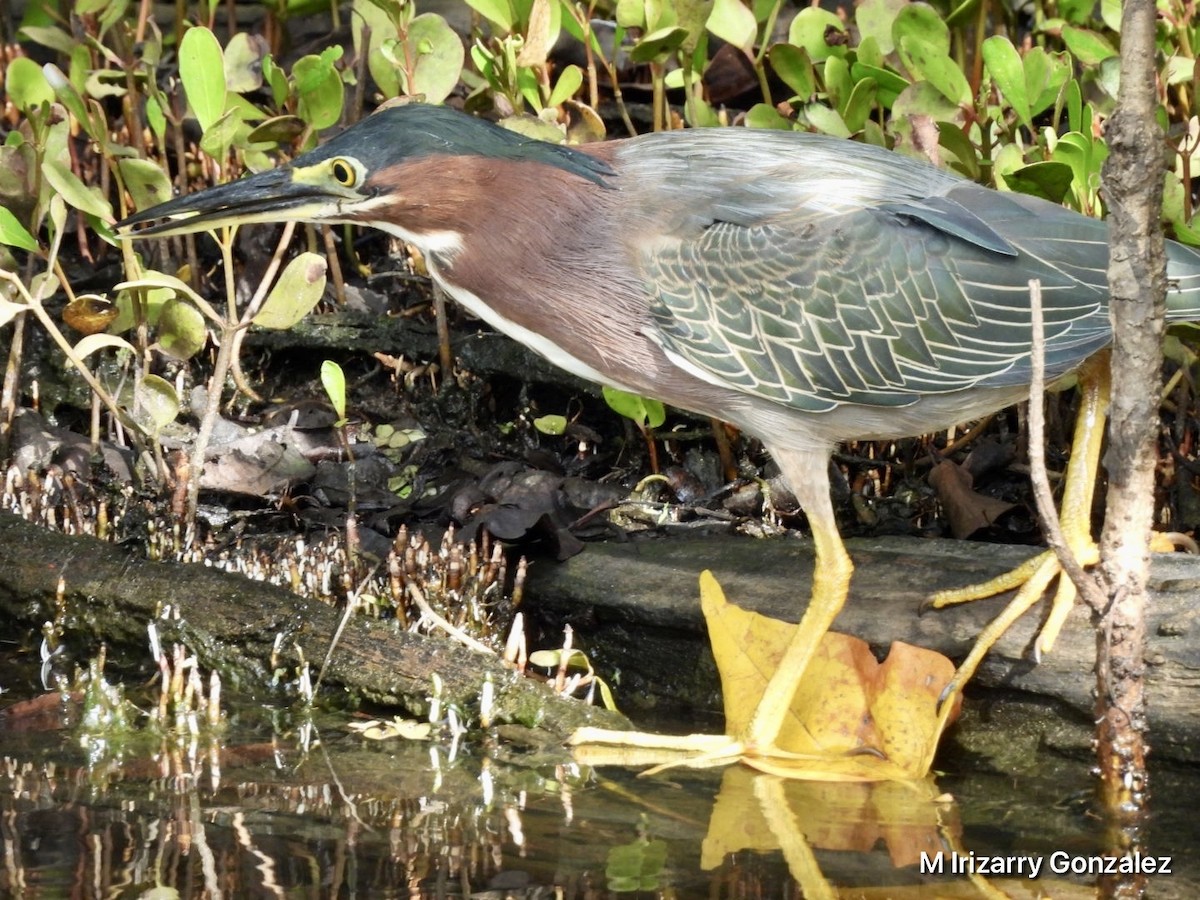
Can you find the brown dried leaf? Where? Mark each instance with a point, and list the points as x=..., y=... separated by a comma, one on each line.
x=967, y=510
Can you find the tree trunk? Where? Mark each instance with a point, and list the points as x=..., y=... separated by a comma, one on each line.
x=1133, y=180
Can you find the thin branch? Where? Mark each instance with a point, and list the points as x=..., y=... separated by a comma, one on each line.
x=1088, y=588
x=457, y=633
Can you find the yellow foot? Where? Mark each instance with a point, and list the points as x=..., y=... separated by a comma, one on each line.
x=1032, y=578
x=604, y=747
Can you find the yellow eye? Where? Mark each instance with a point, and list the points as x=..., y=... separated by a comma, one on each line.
x=343, y=173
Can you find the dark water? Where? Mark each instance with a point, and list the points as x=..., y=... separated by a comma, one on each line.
x=282, y=806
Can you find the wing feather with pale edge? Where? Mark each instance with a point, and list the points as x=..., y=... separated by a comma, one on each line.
x=869, y=298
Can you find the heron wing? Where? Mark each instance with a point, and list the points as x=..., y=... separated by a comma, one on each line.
x=874, y=299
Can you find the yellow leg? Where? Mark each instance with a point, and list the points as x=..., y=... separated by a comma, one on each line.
x=807, y=474
x=1035, y=575
x=831, y=582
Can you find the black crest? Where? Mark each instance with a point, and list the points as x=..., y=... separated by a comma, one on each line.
x=416, y=130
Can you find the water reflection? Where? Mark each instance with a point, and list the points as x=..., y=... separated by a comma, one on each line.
x=273, y=812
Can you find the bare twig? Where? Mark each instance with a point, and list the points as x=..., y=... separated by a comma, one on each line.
x=457, y=633
x=1088, y=588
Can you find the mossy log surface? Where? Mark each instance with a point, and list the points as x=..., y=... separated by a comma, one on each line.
x=246, y=629
x=635, y=610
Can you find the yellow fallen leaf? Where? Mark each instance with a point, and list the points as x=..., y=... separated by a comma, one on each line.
x=851, y=718
x=751, y=812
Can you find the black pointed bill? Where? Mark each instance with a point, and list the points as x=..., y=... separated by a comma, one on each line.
x=272, y=196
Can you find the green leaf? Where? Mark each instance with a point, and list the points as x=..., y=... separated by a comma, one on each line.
x=921, y=22
x=296, y=292
x=889, y=83
x=147, y=184
x=553, y=425
x=875, y=19
x=1108, y=78
x=631, y=13
x=794, y=68
x=927, y=61
x=1045, y=75
x=533, y=127
x=1050, y=180
x=764, y=115
x=152, y=280
x=1085, y=156
x=826, y=120
x=372, y=20
x=155, y=117
x=319, y=91
x=67, y=94
x=438, y=55
x=43, y=285
x=1110, y=14
x=657, y=44
x=498, y=11
x=155, y=403
x=692, y=16
x=808, y=30
x=858, y=108
x=637, y=866
x=202, y=70
x=333, y=379
x=277, y=130
x=243, y=63
x=180, y=330
x=642, y=410
x=867, y=53
x=837, y=81
x=74, y=191
x=147, y=309
x=1077, y=11
x=14, y=233
x=570, y=81
x=277, y=80
x=93, y=342
x=923, y=42
x=955, y=140
x=48, y=36
x=26, y=85
x=733, y=22
x=554, y=659
x=219, y=136
x=529, y=86
x=921, y=99
x=1004, y=65
x=1075, y=107
x=58, y=213
x=1087, y=46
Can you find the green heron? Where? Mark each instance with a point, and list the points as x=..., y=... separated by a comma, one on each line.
x=807, y=289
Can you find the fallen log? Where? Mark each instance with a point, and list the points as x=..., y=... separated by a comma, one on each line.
x=635, y=610
x=246, y=630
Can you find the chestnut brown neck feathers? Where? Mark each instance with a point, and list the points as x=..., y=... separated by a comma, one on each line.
x=548, y=257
